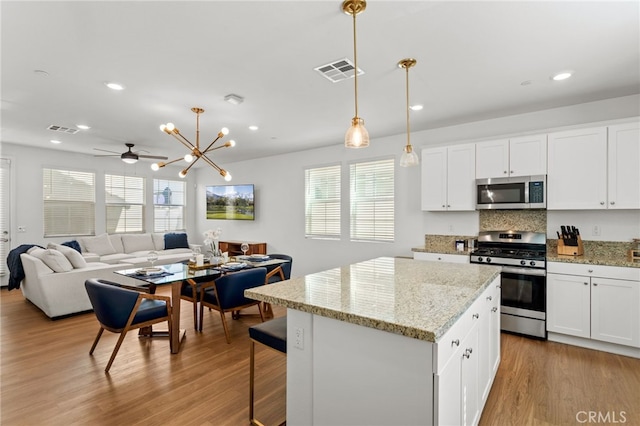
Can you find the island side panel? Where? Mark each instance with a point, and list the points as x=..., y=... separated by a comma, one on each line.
x=366, y=376
x=299, y=368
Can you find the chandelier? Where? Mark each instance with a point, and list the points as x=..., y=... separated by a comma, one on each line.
x=357, y=136
x=409, y=157
x=195, y=152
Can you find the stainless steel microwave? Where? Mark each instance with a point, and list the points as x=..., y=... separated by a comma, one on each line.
x=523, y=192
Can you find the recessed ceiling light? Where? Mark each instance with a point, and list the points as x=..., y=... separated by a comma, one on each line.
x=82, y=126
x=416, y=107
x=254, y=128
x=55, y=141
x=114, y=86
x=562, y=75
x=234, y=99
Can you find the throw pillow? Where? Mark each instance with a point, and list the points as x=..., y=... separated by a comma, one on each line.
x=100, y=245
x=53, y=259
x=137, y=242
x=73, y=244
x=173, y=240
x=75, y=258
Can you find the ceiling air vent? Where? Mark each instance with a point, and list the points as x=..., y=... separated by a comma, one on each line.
x=338, y=70
x=63, y=129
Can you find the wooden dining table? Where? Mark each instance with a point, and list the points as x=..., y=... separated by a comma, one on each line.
x=176, y=274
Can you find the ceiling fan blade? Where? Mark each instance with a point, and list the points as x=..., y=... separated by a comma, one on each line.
x=158, y=157
x=107, y=155
x=106, y=150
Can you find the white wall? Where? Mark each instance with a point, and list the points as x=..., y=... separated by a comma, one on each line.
x=279, y=183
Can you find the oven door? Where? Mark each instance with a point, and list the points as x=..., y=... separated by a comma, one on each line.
x=524, y=292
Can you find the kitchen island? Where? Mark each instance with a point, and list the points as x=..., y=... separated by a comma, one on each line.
x=389, y=341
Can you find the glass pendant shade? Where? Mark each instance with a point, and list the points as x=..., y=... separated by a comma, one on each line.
x=357, y=135
x=409, y=157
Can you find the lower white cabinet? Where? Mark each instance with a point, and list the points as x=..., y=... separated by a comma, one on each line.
x=594, y=302
x=467, y=359
x=441, y=257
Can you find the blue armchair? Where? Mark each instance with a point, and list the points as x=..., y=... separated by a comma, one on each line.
x=226, y=294
x=120, y=310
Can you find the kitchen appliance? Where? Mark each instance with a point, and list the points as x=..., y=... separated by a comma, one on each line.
x=523, y=192
x=522, y=255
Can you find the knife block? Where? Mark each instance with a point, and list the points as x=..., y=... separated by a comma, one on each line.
x=571, y=250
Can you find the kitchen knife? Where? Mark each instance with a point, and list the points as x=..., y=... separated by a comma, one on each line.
x=576, y=231
x=564, y=232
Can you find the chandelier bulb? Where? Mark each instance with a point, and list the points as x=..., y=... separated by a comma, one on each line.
x=188, y=158
x=224, y=131
x=225, y=174
x=155, y=167
x=357, y=135
x=231, y=143
x=163, y=127
x=183, y=173
x=170, y=127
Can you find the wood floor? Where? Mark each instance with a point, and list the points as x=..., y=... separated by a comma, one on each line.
x=48, y=378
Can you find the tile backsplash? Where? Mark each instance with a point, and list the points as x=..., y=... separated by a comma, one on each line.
x=513, y=220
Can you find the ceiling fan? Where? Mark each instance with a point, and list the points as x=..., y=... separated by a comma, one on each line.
x=129, y=156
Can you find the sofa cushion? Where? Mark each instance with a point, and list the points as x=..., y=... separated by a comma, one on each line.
x=100, y=244
x=116, y=242
x=173, y=240
x=73, y=244
x=52, y=258
x=158, y=240
x=137, y=242
x=112, y=259
x=75, y=258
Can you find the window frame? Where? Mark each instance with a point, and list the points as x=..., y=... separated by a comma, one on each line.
x=125, y=207
x=329, y=206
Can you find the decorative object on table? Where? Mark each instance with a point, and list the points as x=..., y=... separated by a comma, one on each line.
x=570, y=242
x=409, y=157
x=196, y=153
x=152, y=257
x=118, y=308
x=357, y=136
x=230, y=202
x=212, y=244
x=245, y=248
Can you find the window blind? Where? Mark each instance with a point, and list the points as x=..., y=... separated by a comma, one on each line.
x=69, y=202
x=124, y=203
x=372, y=201
x=322, y=202
x=169, y=204
x=5, y=215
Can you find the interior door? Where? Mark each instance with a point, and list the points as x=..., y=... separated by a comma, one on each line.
x=5, y=217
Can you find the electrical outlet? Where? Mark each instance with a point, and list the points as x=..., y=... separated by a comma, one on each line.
x=299, y=343
x=596, y=231
x=22, y=229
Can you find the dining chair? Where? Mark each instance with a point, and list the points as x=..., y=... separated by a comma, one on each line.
x=226, y=294
x=119, y=310
x=280, y=272
x=190, y=292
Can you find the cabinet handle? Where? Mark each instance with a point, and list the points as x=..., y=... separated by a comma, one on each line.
x=455, y=342
x=504, y=171
x=498, y=286
x=448, y=205
x=511, y=171
x=467, y=353
x=443, y=206
x=494, y=309
x=613, y=202
x=476, y=316
x=595, y=284
x=489, y=298
x=586, y=283
x=602, y=203
x=590, y=270
x=439, y=258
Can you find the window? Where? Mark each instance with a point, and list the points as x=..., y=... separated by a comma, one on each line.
x=124, y=203
x=69, y=202
x=168, y=205
x=322, y=202
x=372, y=201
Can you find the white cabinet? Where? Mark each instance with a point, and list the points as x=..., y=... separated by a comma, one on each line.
x=595, y=168
x=467, y=358
x=624, y=166
x=440, y=257
x=594, y=302
x=521, y=156
x=448, y=178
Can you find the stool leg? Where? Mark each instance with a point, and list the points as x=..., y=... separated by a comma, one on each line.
x=251, y=379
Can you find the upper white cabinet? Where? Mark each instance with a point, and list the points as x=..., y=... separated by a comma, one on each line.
x=448, y=178
x=596, y=168
x=577, y=169
x=624, y=166
x=521, y=156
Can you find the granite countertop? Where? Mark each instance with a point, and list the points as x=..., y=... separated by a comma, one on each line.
x=412, y=298
x=441, y=251
x=592, y=259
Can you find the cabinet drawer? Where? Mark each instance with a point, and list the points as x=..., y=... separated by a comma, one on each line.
x=452, y=258
x=451, y=341
x=613, y=272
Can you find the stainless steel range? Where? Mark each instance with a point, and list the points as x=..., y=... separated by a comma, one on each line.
x=522, y=256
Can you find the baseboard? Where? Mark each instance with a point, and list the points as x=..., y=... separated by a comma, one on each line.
x=594, y=344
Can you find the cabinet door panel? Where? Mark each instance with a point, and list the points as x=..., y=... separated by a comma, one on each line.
x=568, y=305
x=492, y=159
x=528, y=155
x=434, y=179
x=461, y=182
x=448, y=405
x=577, y=172
x=469, y=379
x=615, y=311
x=623, y=166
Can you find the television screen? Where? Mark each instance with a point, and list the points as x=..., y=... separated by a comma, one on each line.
x=230, y=202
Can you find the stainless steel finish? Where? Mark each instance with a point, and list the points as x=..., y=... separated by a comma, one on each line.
x=528, y=326
x=525, y=237
x=523, y=312
x=511, y=206
x=525, y=271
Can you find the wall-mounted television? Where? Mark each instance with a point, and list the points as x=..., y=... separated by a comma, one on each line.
x=234, y=202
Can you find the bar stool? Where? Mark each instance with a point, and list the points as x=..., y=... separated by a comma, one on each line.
x=272, y=334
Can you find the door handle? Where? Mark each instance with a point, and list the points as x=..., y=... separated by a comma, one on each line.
x=4, y=240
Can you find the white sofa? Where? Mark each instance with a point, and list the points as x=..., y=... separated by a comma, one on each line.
x=62, y=293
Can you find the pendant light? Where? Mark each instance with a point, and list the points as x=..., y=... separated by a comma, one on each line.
x=409, y=157
x=357, y=136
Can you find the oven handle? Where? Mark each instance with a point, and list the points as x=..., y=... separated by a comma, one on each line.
x=524, y=271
